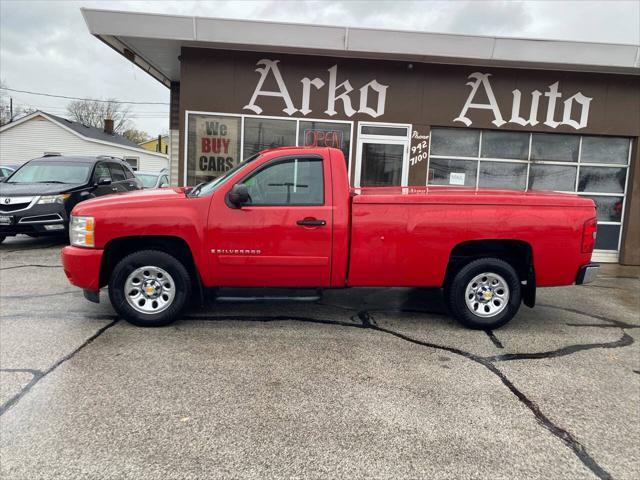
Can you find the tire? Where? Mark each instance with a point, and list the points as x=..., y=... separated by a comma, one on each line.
x=141, y=272
x=2, y=238
x=484, y=294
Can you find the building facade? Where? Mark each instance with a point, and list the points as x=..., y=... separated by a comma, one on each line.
x=402, y=120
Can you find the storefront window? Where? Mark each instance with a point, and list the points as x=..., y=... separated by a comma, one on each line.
x=325, y=134
x=213, y=146
x=592, y=166
x=452, y=172
x=555, y=147
x=505, y=145
x=261, y=134
x=559, y=178
x=503, y=175
x=605, y=150
x=381, y=164
x=455, y=141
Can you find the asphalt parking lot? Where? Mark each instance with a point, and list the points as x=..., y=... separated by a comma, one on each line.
x=362, y=384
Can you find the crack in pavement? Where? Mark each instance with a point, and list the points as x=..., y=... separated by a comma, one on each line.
x=39, y=375
x=625, y=341
x=35, y=265
x=39, y=295
x=494, y=339
x=615, y=323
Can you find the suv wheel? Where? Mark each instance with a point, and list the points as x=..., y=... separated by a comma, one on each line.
x=484, y=294
x=149, y=288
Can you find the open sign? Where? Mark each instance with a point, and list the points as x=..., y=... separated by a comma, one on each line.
x=323, y=138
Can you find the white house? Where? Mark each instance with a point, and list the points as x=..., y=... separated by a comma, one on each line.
x=41, y=133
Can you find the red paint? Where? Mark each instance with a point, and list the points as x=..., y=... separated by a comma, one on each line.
x=392, y=236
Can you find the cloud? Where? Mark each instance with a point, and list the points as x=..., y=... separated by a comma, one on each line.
x=45, y=46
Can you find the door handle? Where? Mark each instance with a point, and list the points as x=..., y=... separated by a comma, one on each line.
x=114, y=189
x=311, y=222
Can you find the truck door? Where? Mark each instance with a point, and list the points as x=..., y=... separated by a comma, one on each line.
x=282, y=236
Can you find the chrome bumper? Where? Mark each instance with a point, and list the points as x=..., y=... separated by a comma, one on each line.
x=587, y=273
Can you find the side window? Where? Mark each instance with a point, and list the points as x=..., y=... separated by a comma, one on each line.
x=117, y=172
x=164, y=181
x=295, y=181
x=102, y=171
x=128, y=173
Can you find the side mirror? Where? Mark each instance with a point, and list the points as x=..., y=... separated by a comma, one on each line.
x=103, y=181
x=239, y=195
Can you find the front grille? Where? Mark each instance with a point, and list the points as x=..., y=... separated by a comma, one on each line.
x=53, y=217
x=13, y=207
x=13, y=204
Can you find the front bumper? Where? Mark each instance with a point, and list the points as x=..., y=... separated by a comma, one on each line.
x=82, y=266
x=35, y=220
x=587, y=273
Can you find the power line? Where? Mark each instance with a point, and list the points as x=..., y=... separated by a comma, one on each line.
x=84, y=99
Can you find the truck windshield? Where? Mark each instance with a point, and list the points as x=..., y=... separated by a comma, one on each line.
x=52, y=172
x=206, y=188
x=148, y=180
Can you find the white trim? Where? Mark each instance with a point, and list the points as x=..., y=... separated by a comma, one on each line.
x=88, y=139
x=383, y=140
x=624, y=196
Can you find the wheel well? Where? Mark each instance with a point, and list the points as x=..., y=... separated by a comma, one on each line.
x=119, y=248
x=517, y=253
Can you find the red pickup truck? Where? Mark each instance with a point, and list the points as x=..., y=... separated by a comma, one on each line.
x=288, y=218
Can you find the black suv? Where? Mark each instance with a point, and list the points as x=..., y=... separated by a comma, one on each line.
x=38, y=197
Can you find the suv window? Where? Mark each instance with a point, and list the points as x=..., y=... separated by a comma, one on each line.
x=294, y=181
x=102, y=171
x=117, y=172
x=128, y=172
x=164, y=181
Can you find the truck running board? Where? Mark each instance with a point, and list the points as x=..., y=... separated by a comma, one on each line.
x=268, y=295
x=268, y=298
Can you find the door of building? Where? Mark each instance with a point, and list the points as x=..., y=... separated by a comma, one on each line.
x=382, y=155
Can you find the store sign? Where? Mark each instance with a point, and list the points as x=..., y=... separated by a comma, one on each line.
x=575, y=110
x=372, y=92
x=217, y=146
x=323, y=138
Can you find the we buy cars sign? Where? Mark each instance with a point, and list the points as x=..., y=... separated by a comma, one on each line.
x=217, y=146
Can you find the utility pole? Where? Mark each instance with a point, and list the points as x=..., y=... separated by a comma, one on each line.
x=10, y=109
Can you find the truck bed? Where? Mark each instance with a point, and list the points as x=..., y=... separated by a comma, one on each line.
x=405, y=235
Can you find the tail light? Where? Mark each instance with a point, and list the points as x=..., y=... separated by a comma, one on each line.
x=589, y=235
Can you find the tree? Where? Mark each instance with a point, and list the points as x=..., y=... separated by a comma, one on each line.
x=6, y=113
x=93, y=114
x=135, y=135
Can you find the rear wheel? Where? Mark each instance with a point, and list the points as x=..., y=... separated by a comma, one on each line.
x=149, y=288
x=484, y=294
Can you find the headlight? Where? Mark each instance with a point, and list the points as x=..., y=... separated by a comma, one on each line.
x=81, y=231
x=53, y=198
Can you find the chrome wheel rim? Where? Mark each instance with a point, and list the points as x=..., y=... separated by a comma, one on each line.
x=149, y=290
x=487, y=295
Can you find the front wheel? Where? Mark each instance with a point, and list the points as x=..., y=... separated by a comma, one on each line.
x=484, y=294
x=149, y=288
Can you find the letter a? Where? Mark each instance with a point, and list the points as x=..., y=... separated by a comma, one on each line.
x=270, y=66
x=480, y=78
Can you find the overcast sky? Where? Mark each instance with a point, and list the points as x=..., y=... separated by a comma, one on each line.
x=46, y=47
